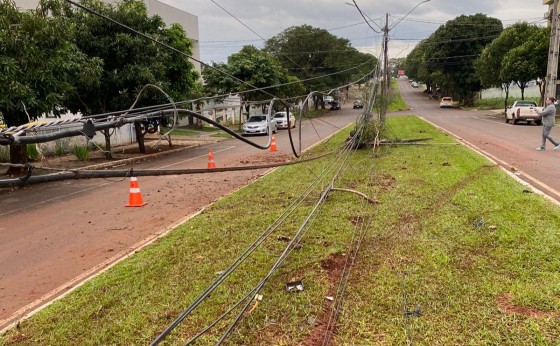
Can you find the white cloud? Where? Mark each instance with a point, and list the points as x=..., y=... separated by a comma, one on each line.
x=268, y=18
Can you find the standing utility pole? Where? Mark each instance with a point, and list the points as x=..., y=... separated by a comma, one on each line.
x=552, y=68
x=386, y=75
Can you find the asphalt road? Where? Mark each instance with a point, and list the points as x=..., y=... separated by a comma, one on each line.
x=53, y=236
x=512, y=146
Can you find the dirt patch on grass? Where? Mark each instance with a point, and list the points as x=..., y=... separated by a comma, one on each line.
x=325, y=324
x=385, y=181
x=505, y=304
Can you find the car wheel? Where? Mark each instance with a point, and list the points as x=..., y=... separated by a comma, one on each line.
x=507, y=120
x=515, y=121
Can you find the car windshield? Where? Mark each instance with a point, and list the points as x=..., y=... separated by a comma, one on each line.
x=527, y=103
x=447, y=99
x=257, y=118
x=280, y=115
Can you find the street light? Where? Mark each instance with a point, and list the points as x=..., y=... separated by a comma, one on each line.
x=364, y=16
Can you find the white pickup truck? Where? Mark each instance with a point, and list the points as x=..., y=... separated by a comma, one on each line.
x=523, y=110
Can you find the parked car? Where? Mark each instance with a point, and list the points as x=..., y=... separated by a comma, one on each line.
x=257, y=124
x=281, y=119
x=335, y=105
x=358, y=104
x=524, y=110
x=414, y=84
x=446, y=102
x=328, y=99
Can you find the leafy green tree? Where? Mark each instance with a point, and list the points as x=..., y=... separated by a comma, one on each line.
x=309, y=52
x=528, y=60
x=494, y=70
x=416, y=66
x=454, y=48
x=257, y=68
x=130, y=61
x=37, y=60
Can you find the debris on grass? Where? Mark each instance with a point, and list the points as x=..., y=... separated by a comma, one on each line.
x=294, y=286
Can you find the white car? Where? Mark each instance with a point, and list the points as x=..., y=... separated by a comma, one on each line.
x=282, y=120
x=414, y=84
x=524, y=110
x=446, y=102
x=257, y=125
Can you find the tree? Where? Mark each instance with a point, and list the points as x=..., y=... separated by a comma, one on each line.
x=455, y=46
x=491, y=66
x=254, y=66
x=37, y=60
x=416, y=66
x=129, y=60
x=309, y=52
x=528, y=60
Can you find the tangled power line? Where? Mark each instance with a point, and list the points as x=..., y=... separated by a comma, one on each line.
x=324, y=183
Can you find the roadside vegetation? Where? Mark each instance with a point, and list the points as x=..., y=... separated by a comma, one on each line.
x=517, y=54
x=445, y=260
x=397, y=102
x=497, y=103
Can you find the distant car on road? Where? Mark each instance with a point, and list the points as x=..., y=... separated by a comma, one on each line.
x=524, y=110
x=414, y=84
x=328, y=99
x=358, y=104
x=257, y=124
x=446, y=102
x=281, y=119
x=335, y=105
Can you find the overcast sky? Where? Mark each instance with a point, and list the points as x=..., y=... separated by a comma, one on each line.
x=222, y=35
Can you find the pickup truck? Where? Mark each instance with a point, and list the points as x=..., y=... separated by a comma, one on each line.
x=523, y=110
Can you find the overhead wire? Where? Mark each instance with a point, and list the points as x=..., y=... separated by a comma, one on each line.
x=301, y=231
x=244, y=255
x=207, y=292
x=87, y=9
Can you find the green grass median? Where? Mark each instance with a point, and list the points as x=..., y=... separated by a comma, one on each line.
x=457, y=253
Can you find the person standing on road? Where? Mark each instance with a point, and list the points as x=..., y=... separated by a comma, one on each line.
x=548, y=120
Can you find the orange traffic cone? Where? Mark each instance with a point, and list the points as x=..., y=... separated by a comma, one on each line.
x=135, y=197
x=211, y=163
x=273, y=144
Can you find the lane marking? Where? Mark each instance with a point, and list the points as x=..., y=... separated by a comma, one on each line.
x=197, y=157
x=53, y=199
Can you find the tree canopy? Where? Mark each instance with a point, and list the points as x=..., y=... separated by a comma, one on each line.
x=518, y=54
x=308, y=52
x=129, y=61
x=37, y=60
x=448, y=55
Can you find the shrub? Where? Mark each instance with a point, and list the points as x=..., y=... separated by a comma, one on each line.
x=81, y=152
x=32, y=152
x=61, y=146
x=4, y=153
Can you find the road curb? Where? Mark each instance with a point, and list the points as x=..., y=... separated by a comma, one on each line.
x=510, y=170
